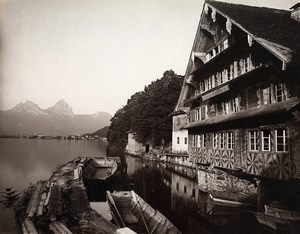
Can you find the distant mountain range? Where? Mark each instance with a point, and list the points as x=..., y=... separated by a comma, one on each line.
x=28, y=118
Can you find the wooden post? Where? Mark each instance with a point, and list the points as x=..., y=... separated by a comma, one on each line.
x=260, y=203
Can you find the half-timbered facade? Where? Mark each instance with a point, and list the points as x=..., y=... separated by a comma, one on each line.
x=241, y=90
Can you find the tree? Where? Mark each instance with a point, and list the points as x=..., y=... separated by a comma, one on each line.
x=147, y=113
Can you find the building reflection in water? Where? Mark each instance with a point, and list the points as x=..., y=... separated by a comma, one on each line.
x=216, y=200
x=220, y=189
x=184, y=196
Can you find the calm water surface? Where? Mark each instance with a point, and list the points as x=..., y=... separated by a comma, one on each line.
x=176, y=191
x=25, y=161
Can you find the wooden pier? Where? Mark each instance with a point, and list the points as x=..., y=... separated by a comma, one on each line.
x=61, y=205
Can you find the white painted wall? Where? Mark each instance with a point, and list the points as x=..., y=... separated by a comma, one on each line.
x=133, y=145
x=182, y=147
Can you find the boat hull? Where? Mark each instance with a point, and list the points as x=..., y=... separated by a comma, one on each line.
x=132, y=211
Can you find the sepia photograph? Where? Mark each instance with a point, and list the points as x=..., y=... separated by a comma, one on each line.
x=149, y=116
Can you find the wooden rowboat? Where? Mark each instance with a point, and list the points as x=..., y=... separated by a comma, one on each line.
x=99, y=168
x=279, y=219
x=282, y=213
x=130, y=210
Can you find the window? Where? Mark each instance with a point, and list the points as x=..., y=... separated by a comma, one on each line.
x=193, y=193
x=184, y=189
x=280, y=92
x=247, y=64
x=177, y=186
x=202, y=140
x=197, y=113
x=231, y=106
x=225, y=75
x=215, y=140
x=203, y=112
x=227, y=108
x=226, y=44
x=266, y=96
x=230, y=140
x=204, y=137
x=281, y=140
x=219, y=78
x=185, y=140
x=213, y=81
x=235, y=105
x=199, y=141
x=274, y=93
x=253, y=140
x=266, y=140
x=207, y=84
x=222, y=140
x=178, y=140
x=235, y=69
x=242, y=66
x=229, y=73
x=201, y=84
x=215, y=51
x=194, y=143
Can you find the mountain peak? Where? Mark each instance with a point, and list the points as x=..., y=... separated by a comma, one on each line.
x=61, y=108
x=62, y=102
x=28, y=107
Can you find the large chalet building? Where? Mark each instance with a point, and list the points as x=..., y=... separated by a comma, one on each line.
x=239, y=103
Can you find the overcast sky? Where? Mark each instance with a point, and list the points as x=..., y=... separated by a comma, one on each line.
x=94, y=54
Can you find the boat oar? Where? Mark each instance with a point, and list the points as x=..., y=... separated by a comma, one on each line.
x=111, y=200
x=136, y=202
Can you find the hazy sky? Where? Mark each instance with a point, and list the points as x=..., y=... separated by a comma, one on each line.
x=94, y=53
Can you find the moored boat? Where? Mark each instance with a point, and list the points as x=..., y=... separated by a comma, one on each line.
x=279, y=219
x=99, y=168
x=232, y=202
x=130, y=210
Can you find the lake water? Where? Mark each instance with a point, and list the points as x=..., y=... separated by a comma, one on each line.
x=25, y=161
x=178, y=192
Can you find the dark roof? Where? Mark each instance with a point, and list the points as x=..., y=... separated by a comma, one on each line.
x=271, y=24
x=295, y=6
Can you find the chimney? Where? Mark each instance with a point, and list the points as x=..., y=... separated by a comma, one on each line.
x=295, y=15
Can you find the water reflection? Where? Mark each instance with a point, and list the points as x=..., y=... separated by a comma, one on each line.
x=25, y=161
x=180, y=193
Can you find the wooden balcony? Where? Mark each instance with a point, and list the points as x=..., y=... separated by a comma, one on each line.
x=280, y=107
x=240, y=81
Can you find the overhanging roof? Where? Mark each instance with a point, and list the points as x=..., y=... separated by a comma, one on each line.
x=272, y=28
x=254, y=112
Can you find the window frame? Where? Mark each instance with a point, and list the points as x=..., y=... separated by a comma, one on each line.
x=194, y=141
x=230, y=142
x=284, y=140
x=269, y=140
x=215, y=140
x=222, y=140
x=255, y=138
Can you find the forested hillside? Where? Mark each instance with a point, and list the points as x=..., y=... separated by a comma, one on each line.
x=147, y=113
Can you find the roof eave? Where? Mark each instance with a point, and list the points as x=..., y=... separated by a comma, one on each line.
x=270, y=46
